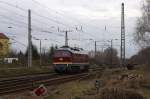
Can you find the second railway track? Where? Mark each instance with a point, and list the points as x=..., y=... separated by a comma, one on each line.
x=29, y=83
x=18, y=84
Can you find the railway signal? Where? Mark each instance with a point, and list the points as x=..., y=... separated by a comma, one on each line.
x=40, y=91
x=97, y=85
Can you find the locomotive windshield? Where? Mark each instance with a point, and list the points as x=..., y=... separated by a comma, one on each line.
x=62, y=54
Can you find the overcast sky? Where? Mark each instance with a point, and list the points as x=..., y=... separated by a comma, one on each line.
x=48, y=15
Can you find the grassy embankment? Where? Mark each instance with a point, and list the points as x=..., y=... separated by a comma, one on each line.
x=21, y=71
x=115, y=85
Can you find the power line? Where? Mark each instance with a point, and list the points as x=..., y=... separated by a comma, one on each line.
x=19, y=42
x=16, y=25
x=35, y=20
x=56, y=12
x=9, y=4
x=16, y=21
x=42, y=5
x=35, y=13
x=48, y=9
x=50, y=19
x=11, y=19
x=48, y=32
x=59, y=13
x=89, y=34
x=24, y=25
x=45, y=39
x=5, y=9
x=42, y=30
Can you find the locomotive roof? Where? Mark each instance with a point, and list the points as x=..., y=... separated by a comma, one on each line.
x=73, y=50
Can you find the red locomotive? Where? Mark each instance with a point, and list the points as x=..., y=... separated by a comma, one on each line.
x=67, y=59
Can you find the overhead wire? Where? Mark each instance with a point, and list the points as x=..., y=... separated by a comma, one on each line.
x=19, y=42
x=19, y=26
x=49, y=9
x=35, y=38
x=42, y=5
x=9, y=4
x=62, y=13
x=25, y=10
x=33, y=12
x=45, y=17
x=21, y=23
x=20, y=15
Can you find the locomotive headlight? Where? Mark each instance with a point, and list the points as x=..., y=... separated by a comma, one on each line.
x=61, y=59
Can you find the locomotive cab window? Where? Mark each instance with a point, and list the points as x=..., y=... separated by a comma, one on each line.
x=62, y=54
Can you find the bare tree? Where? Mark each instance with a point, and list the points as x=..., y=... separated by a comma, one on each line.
x=110, y=57
x=142, y=57
x=142, y=34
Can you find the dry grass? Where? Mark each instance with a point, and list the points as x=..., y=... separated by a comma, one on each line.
x=5, y=72
x=71, y=90
x=117, y=84
x=117, y=93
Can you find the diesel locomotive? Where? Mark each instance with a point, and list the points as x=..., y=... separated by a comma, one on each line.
x=69, y=60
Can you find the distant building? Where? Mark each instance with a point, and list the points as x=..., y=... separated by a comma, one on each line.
x=11, y=60
x=4, y=45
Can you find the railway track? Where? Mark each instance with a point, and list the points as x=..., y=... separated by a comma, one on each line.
x=29, y=83
x=17, y=84
x=25, y=75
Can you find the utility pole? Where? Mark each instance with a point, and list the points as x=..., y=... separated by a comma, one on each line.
x=95, y=46
x=29, y=40
x=95, y=49
x=122, y=54
x=111, y=51
x=40, y=55
x=40, y=48
x=66, y=37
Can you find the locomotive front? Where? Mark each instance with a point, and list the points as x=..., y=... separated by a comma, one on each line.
x=61, y=60
x=70, y=60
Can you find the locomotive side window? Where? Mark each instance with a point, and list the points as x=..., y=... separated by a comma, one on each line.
x=62, y=54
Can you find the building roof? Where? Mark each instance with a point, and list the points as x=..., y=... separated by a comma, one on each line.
x=3, y=36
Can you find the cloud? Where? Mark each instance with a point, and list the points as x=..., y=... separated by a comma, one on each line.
x=93, y=15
